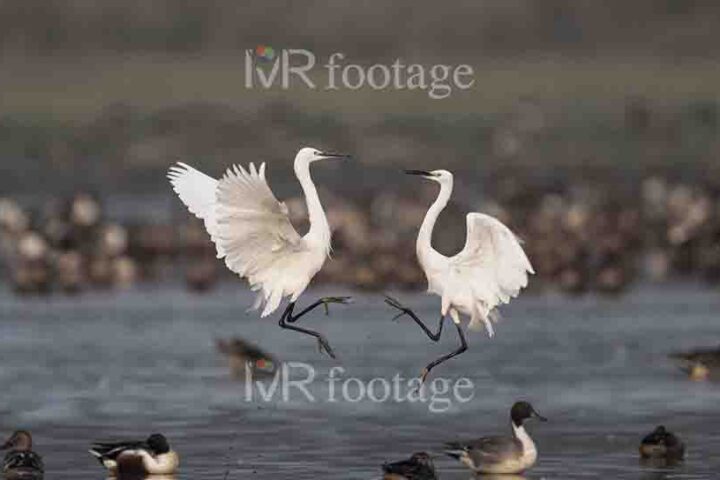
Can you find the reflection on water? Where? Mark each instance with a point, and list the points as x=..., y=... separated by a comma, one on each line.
x=143, y=477
x=145, y=361
x=660, y=463
x=499, y=477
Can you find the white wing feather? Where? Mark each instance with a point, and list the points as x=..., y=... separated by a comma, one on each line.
x=197, y=192
x=492, y=267
x=254, y=231
x=250, y=228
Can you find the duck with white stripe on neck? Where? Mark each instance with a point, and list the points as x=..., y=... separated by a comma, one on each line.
x=498, y=454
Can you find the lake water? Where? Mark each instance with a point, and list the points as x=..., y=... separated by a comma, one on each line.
x=105, y=366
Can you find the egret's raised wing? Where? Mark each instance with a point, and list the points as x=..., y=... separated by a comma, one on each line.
x=197, y=192
x=254, y=232
x=493, y=265
x=248, y=225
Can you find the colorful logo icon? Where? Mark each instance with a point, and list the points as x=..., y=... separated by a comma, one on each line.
x=263, y=364
x=265, y=53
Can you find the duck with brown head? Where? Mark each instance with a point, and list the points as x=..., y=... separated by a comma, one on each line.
x=20, y=462
x=501, y=455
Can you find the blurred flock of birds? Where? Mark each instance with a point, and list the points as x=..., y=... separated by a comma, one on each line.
x=580, y=240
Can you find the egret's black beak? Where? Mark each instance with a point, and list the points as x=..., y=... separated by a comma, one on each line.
x=6, y=445
x=340, y=156
x=538, y=416
x=422, y=173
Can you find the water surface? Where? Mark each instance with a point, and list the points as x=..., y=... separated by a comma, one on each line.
x=104, y=366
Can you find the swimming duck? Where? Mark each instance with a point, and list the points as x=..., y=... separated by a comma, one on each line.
x=699, y=364
x=418, y=467
x=501, y=455
x=662, y=444
x=152, y=456
x=21, y=463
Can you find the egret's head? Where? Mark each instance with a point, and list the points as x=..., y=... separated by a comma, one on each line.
x=440, y=176
x=308, y=155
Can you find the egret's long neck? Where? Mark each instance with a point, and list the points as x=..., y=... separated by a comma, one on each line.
x=319, y=229
x=424, y=239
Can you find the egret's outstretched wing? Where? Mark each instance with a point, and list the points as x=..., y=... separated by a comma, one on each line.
x=248, y=225
x=492, y=267
x=255, y=234
x=197, y=192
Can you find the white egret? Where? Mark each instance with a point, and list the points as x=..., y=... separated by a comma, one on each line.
x=490, y=269
x=252, y=231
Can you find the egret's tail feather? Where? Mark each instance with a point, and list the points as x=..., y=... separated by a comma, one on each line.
x=259, y=301
x=478, y=324
x=273, y=302
x=482, y=319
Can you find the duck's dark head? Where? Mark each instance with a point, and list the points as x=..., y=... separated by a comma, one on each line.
x=522, y=411
x=21, y=440
x=422, y=458
x=158, y=444
x=661, y=435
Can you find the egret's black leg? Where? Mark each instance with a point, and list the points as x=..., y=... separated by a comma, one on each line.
x=463, y=347
x=406, y=311
x=325, y=301
x=287, y=318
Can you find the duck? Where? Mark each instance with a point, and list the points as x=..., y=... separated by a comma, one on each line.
x=418, y=467
x=150, y=457
x=242, y=353
x=497, y=454
x=21, y=462
x=699, y=364
x=661, y=443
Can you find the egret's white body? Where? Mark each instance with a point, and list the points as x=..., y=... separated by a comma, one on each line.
x=251, y=228
x=489, y=271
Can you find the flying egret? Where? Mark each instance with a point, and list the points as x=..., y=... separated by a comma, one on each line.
x=252, y=231
x=490, y=269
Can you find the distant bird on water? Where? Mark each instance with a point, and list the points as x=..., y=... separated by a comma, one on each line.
x=501, y=455
x=699, y=364
x=418, y=467
x=21, y=463
x=662, y=444
x=150, y=457
x=489, y=271
x=252, y=231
